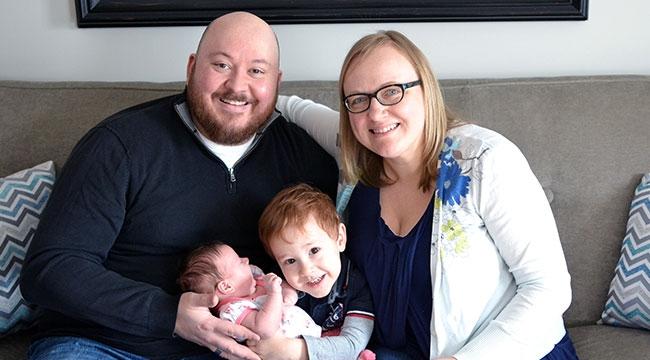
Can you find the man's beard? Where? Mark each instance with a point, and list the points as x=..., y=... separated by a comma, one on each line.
x=219, y=130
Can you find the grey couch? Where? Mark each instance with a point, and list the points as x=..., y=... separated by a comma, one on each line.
x=586, y=138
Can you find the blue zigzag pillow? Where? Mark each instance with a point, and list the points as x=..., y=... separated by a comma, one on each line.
x=628, y=300
x=23, y=196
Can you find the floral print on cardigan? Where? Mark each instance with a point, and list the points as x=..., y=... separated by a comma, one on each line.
x=452, y=187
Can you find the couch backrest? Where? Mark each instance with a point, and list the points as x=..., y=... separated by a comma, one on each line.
x=586, y=139
x=42, y=121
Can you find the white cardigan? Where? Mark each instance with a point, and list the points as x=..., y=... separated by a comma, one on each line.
x=498, y=273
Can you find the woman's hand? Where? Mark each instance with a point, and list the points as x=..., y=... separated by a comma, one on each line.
x=279, y=348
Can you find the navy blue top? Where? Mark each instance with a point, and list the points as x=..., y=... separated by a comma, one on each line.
x=397, y=270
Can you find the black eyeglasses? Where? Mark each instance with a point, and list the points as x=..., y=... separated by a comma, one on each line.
x=388, y=95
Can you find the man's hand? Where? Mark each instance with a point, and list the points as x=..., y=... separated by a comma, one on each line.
x=195, y=323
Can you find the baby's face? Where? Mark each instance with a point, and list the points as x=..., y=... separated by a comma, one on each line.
x=237, y=270
x=309, y=257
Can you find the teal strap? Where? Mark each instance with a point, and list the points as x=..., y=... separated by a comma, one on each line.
x=343, y=197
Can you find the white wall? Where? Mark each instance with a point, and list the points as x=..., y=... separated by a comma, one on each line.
x=39, y=40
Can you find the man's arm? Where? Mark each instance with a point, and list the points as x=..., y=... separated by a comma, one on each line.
x=64, y=268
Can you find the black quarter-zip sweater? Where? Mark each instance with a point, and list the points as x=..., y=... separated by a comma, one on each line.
x=137, y=193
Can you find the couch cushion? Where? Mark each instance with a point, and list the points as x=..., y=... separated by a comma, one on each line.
x=628, y=300
x=23, y=196
x=604, y=342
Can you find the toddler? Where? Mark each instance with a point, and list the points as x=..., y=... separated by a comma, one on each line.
x=301, y=230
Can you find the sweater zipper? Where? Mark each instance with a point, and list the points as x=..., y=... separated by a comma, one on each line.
x=233, y=179
x=231, y=171
x=184, y=114
x=232, y=175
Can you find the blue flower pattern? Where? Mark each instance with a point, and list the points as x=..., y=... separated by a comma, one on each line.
x=452, y=185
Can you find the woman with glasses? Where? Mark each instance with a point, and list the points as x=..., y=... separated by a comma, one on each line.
x=447, y=221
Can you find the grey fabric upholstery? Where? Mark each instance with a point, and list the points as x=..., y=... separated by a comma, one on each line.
x=586, y=139
x=602, y=342
x=41, y=121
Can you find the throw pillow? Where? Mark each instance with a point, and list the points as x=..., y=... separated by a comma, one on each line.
x=23, y=196
x=628, y=300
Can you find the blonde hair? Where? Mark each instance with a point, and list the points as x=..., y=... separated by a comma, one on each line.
x=361, y=164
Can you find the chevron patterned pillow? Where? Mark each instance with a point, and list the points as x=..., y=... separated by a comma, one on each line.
x=628, y=301
x=23, y=196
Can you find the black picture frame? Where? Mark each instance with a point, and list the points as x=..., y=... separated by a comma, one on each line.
x=119, y=13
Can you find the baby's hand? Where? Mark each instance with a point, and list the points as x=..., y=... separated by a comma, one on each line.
x=272, y=283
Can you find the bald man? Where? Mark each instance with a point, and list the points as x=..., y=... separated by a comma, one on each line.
x=152, y=182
